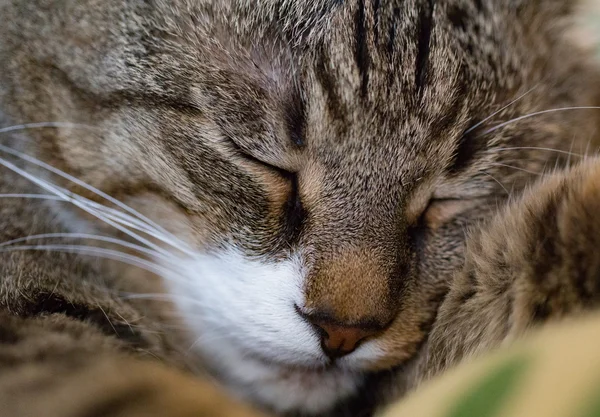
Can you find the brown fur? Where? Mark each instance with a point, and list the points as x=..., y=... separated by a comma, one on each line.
x=70, y=346
x=535, y=262
x=55, y=366
x=337, y=128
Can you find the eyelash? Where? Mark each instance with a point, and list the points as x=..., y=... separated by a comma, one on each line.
x=295, y=213
x=294, y=209
x=466, y=149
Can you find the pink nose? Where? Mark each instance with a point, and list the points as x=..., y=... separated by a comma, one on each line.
x=338, y=341
x=339, y=338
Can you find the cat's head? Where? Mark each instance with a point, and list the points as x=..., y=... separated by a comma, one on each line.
x=320, y=160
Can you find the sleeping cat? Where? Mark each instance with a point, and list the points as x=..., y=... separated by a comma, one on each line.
x=303, y=178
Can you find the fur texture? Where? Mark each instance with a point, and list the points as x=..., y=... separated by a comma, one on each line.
x=304, y=166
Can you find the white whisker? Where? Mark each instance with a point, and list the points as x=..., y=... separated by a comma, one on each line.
x=41, y=125
x=88, y=187
x=535, y=148
x=32, y=196
x=514, y=167
x=115, y=215
x=570, y=151
x=94, y=251
x=100, y=210
x=494, y=178
x=500, y=111
x=107, y=239
x=159, y=297
x=120, y=217
x=107, y=319
x=68, y=196
x=587, y=150
x=133, y=223
x=539, y=113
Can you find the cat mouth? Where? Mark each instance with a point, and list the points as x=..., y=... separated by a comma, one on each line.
x=316, y=367
x=312, y=388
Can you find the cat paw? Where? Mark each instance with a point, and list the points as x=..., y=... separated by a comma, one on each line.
x=551, y=244
x=537, y=260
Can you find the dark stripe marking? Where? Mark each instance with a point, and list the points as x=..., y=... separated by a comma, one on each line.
x=376, y=4
x=335, y=105
x=296, y=118
x=424, y=45
x=392, y=30
x=361, y=52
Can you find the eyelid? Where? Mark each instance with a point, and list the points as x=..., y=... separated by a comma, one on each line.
x=294, y=212
x=281, y=171
x=416, y=207
x=441, y=211
x=466, y=148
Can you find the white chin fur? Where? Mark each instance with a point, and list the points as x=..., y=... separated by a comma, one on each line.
x=285, y=390
x=243, y=313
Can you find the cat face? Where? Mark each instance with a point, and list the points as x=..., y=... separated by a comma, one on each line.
x=318, y=163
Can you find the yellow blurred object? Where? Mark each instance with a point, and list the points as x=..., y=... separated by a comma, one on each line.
x=554, y=372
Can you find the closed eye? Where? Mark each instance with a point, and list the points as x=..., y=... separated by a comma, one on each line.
x=467, y=147
x=247, y=156
x=435, y=215
x=442, y=211
x=436, y=212
x=293, y=212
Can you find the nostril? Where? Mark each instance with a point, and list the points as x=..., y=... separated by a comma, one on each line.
x=322, y=332
x=342, y=340
x=338, y=338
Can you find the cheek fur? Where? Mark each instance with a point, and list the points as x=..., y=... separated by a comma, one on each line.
x=241, y=313
x=227, y=298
